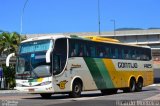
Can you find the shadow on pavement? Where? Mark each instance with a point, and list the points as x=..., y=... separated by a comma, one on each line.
x=66, y=96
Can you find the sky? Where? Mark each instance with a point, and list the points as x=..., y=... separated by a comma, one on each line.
x=60, y=16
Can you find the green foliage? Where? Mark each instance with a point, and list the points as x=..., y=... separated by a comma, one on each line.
x=9, y=43
x=9, y=73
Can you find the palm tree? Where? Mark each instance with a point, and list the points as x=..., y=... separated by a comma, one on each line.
x=10, y=42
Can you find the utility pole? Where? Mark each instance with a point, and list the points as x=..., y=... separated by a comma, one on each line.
x=99, y=24
x=22, y=16
x=114, y=27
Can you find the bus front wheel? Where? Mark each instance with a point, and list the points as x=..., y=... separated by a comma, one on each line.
x=76, y=89
x=46, y=95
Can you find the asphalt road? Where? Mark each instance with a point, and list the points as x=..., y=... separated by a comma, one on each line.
x=150, y=96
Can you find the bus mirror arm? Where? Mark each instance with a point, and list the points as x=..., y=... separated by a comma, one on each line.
x=8, y=58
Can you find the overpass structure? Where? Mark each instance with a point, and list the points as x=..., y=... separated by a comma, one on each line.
x=150, y=37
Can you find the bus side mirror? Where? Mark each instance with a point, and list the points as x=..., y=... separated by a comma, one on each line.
x=8, y=58
x=48, y=54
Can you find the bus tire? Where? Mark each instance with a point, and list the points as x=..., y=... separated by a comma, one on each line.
x=76, y=89
x=46, y=95
x=139, y=85
x=132, y=86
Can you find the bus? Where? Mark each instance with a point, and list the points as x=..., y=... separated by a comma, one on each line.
x=71, y=64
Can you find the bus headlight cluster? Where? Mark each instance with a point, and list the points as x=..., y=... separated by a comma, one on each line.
x=45, y=83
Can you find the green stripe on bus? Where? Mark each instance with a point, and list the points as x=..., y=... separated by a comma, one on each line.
x=93, y=68
x=104, y=73
x=99, y=73
x=32, y=80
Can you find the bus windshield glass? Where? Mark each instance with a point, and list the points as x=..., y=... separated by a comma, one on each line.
x=31, y=62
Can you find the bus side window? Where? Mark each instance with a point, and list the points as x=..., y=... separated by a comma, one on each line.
x=133, y=54
x=100, y=51
x=138, y=55
x=86, y=53
x=82, y=49
x=91, y=50
x=72, y=50
x=148, y=54
x=87, y=50
x=107, y=52
x=126, y=54
x=74, y=47
x=120, y=53
x=113, y=53
x=117, y=54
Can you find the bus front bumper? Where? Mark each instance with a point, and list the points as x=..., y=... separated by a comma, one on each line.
x=36, y=89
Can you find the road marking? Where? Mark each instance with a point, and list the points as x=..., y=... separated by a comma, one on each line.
x=155, y=85
x=81, y=99
x=156, y=97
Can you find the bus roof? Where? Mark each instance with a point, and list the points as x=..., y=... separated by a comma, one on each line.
x=45, y=37
x=89, y=38
x=101, y=39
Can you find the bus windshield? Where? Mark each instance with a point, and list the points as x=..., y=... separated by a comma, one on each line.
x=31, y=62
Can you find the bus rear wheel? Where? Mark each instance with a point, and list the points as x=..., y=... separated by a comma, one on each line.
x=46, y=95
x=76, y=90
x=139, y=85
x=132, y=86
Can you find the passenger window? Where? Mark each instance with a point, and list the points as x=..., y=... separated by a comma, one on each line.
x=138, y=54
x=133, y=54
x=126, y=54
x=107, y=52
x=100, y=51
x=93, y=51
x=74, y=47
x=113, y=53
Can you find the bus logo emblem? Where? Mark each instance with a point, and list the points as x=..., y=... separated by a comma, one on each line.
x=62, y=84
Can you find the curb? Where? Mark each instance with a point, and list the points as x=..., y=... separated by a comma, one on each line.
x=9, y=91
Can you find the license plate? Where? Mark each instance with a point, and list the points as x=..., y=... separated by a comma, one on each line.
x=31, y=90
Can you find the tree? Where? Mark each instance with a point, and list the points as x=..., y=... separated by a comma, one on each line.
x=9, y=43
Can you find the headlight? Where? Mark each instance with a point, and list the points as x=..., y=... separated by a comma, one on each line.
x=45, y=83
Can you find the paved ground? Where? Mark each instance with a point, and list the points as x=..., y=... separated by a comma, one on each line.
x=150, y=96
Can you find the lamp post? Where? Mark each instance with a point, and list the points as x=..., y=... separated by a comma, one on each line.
x=99, y=26
x=114, y=28
x=22, y=16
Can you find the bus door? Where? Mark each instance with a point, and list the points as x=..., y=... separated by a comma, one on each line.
x=59, y=56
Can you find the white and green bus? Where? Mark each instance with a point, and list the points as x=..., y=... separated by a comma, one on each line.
x=70, y=64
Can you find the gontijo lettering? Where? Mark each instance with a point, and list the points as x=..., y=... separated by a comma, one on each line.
x=127, y=65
